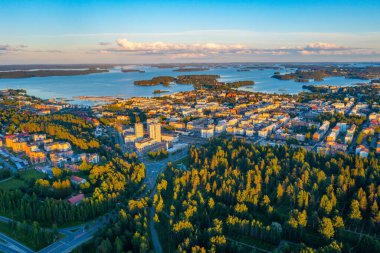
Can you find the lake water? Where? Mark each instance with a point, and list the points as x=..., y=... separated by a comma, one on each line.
x=117, y=83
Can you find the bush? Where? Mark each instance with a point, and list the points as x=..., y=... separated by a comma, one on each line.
x=5, y=173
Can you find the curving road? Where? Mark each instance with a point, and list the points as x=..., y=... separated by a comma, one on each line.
x=153, y=169
x=77, y=235
x=153, y=232
x=7, y=244
x=72, y=239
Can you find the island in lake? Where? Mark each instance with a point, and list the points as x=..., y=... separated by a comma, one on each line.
x=46, y=73
x=190, y=69
x=132, y=70
x=164, y=80
x=160, y=91
x=304, y=73
x=55, y=67
x=209, y=82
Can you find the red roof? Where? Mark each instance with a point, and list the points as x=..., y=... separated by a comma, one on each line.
x=77, y=179
x=76, y=199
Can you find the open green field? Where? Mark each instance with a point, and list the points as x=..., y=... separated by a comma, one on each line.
x=25, y=176
x=12, y=184
x=29, y=174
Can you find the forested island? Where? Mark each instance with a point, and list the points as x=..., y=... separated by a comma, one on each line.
x=190, y=69
x=184, y=79
x=160, y=91
x=259, y=67
x=318, y=73
x=198, y=79
x=316, y=88
x=164, y=80
x=54, y=66
x=181, y=65
x=301, y=76
x=209, y=82
x=46, y=73
x=132, y=70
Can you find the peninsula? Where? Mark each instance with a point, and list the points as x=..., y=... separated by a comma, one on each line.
x=46, y=73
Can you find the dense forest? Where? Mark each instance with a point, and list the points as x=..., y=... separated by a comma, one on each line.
x=127, y=231
x=42, y=200
x=275, y=198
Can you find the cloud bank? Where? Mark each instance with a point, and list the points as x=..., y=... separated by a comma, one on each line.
x=203, y=50
x=163, y=47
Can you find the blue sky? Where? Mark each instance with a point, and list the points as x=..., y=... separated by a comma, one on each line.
x=188, y=31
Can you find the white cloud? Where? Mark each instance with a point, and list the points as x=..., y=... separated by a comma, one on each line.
x=321, y=48
x=187, y=56
x=177, y=48
x=324, y=46
x=201, y=50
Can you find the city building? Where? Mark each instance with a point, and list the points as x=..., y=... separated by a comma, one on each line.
x=155, y=131
x=139, y=130
x=207, y=132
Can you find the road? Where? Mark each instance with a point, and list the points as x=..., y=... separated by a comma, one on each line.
x=7, y=244
x=119, y=140
x=7, y=248
x=77, y=235
x=153, y=232
x=249, y=246
x=74, y=238
x=7, y=165
x=153, y=169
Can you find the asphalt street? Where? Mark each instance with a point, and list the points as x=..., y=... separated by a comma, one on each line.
x=77, y=235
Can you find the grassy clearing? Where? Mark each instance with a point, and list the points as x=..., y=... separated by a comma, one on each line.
x=12, y=184
x=32, y=174
x=22, y=181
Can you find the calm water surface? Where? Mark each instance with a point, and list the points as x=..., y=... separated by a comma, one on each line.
x=117, y=83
